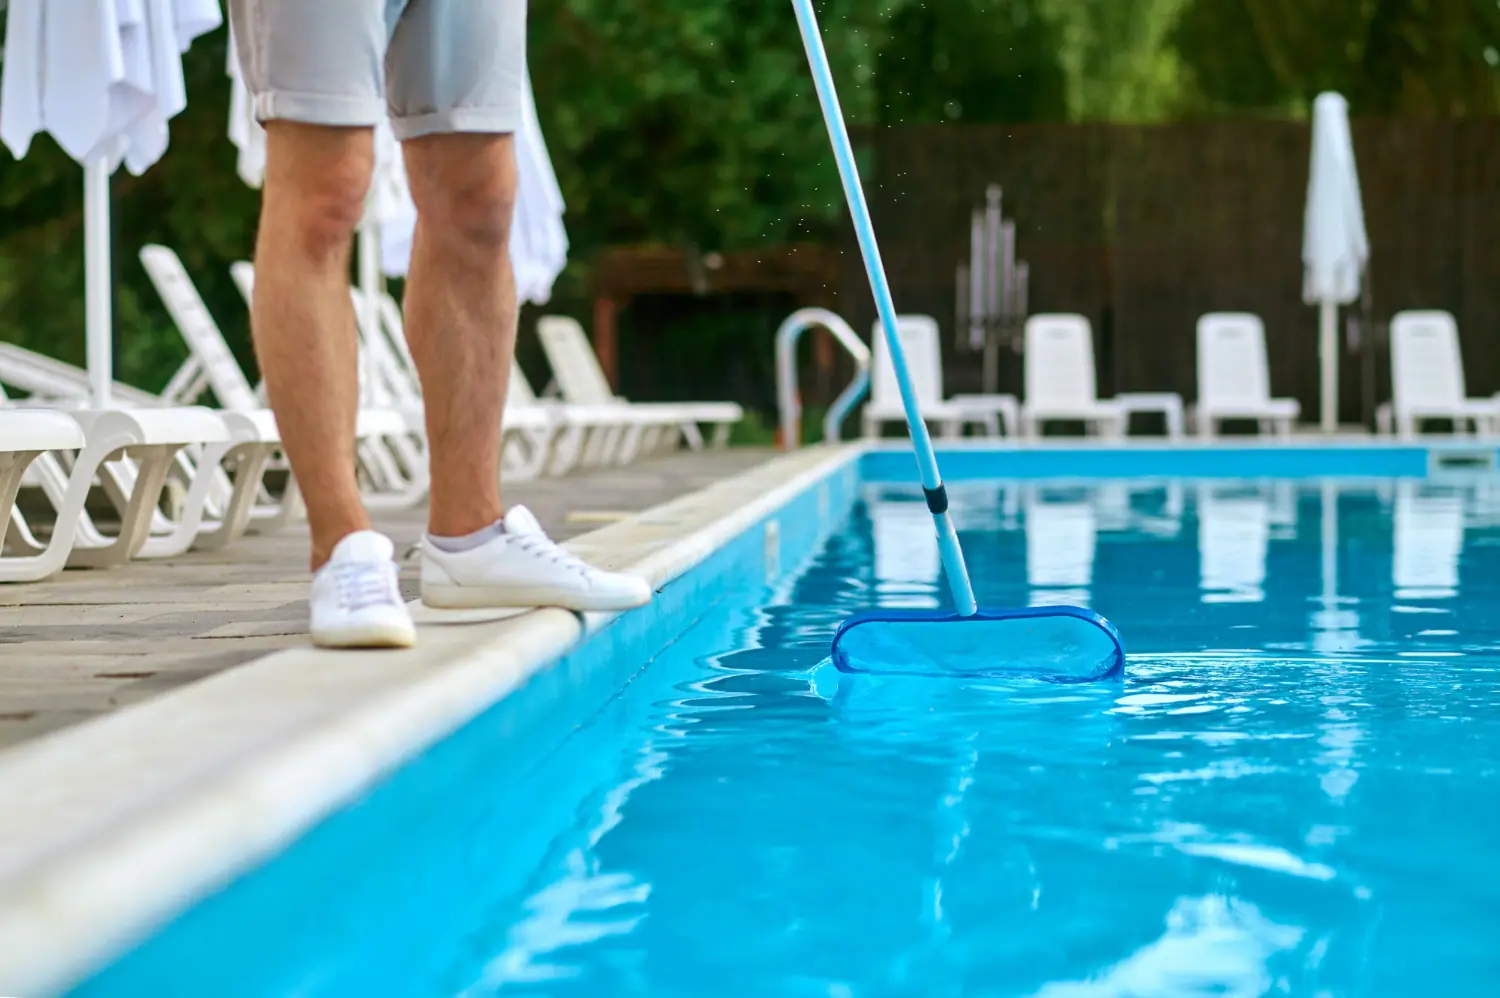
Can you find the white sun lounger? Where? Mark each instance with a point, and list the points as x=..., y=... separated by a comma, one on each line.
x=921, y=343
x=583, y=382
x=542, y=436
x=216, y=509
x=389, y=382
x=151, y=438
x=1234, y=378
x=1061, y=383
x=26, y=436
x=1427, y=378
x=394, y=484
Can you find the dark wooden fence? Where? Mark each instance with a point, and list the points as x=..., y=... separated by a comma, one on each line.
x=1144, y=228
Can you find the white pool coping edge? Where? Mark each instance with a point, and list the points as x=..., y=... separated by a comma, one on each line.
x=118, y=824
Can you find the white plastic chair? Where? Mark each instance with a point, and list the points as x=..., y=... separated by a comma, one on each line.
x=922, y=344
x=540, y=437
x=583, y=382
x=532, y=442
x=1061, y=383
x=215, y=510
x=152, y=438
x=1234, y=378
x=394, y=465
x=1427, y=378
x=27, y=436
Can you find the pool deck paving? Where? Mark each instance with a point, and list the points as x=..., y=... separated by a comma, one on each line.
x=90, y=642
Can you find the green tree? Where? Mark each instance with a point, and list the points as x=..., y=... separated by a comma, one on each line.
x=684, y=122
x=1117, y=57
x=1417, y=57
x=971, y=61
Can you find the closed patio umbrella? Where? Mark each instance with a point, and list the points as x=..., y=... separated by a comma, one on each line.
x=1335, y=246
x=104, y=78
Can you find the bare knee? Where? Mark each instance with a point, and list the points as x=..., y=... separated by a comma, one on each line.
x=464, y=187
x=317, y=180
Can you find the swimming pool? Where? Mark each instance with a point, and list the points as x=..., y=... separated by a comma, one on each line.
x=1292, y=792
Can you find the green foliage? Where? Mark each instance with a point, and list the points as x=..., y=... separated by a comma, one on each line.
x=1116, y=57
x=192, y=201
x=1417, y=57
x=971, y=60
x=683, y=122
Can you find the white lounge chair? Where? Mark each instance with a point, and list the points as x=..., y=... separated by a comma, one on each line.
x=543, y=436
x=395, y=484
x=922, y=345
x=1234, y=378
x=152, y=438
x=1427, y=378
x=389, y=382
x=583, y=382
x=215, y=511
x=1061, y=384
x=28, y=435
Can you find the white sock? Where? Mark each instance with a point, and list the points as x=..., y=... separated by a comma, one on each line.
x=468, y=542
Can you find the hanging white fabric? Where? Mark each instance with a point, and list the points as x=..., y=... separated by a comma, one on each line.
x=103, y=77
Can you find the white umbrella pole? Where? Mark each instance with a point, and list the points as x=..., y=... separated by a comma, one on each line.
x=97, y=281
x=1328, y=354
x=370, y=291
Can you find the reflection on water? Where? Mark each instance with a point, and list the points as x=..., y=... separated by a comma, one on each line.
x=1281, y=798
x=1234, y=534
x=1062, y=533
x=1429, y=535
x=1291, y=793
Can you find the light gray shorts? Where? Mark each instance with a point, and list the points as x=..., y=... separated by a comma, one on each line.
x=433, y=66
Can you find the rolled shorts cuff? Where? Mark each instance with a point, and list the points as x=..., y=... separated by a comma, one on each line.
x=320, y=109
x=472, y=120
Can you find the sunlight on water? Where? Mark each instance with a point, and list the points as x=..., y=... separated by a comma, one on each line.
x=1292, y=792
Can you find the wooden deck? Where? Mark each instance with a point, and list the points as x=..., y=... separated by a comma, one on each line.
x=89, y=642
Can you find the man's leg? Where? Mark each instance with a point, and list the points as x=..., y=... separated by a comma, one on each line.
x=302, y=319
x=455, y=71
x=314, y=70
x=461, y=317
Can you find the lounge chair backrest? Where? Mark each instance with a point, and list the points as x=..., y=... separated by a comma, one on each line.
x=1232, y=366
x=198, y=329
x=1427, y=367
x=574, y=363
x=1060, y=361
x=924, y=360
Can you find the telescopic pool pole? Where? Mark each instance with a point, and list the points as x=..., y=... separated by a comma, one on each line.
x=843, y=152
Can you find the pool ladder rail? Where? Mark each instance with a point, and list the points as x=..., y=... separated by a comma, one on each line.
x=788, y=393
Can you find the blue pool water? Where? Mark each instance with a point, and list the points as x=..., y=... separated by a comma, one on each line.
x=1295, y=791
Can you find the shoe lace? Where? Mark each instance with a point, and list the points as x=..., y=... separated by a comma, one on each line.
x=544, y=547
x=361, y=586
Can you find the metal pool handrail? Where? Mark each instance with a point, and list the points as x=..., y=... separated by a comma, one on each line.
x=789, y=399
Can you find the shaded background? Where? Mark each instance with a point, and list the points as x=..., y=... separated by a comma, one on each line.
x=1153, y=152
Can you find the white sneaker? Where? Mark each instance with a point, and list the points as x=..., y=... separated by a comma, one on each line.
x=356, y=602
x=522, y=567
